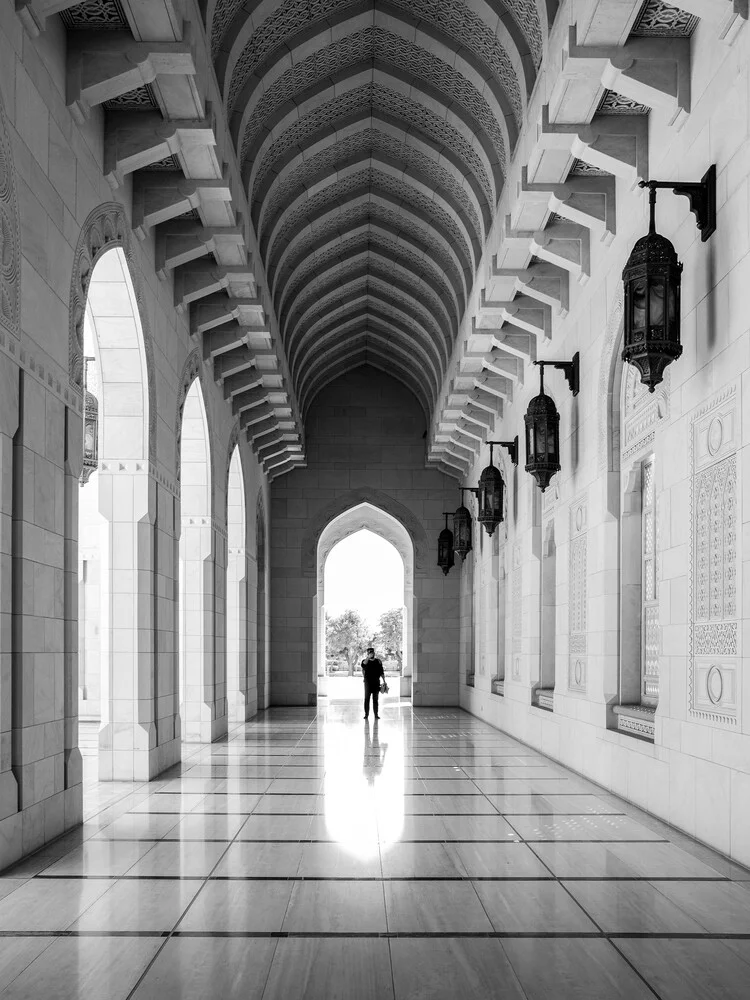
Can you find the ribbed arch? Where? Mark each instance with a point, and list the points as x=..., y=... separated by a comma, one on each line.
x=342, y=194
x=374, y=140
x=367, y=290
x=368, y=315
x=386, y=147
x=369, y=211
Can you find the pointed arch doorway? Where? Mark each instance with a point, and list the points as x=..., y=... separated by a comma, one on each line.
x=365, y=517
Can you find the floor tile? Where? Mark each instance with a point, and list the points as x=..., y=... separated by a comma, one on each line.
x=270, y=860
x=493, y=828
x=573, y=969
x=198, y=968
x=101, y=858
x=186, y=859
x=631, y=907
x=434, y=907
x=581, y=828
x=146, y=905
x=720, y=907
x=688, y=969
x=537, y=907
x=507, y=860
x=73, y=968
x=450, y=968
x=275, y=828
x=335, y=861
x=206, y=826
x=340, y=907
x=242, y=906
x=419, y=861
x=313, y=969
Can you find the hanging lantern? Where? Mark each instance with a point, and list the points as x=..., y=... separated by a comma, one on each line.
x=490, y=495
x=652, y=278
x=462, y=529
x=542, y=436
x=90, y=422
x=445, y=548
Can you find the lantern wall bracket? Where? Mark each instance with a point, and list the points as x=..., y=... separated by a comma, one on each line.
x=701, y=195
x=570, y=369
x=511, y=447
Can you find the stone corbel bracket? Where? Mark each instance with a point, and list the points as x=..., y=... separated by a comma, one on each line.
x=650, y=71
x=543, y=281
x=183, y=240
x=615, y=143
x=523, y=311
x=102, y=65
x=218, y=340
x=587, y=201
x=565, y=244
x=134, y=140
x=219, y=308
x=200, y=278
x=158, y=197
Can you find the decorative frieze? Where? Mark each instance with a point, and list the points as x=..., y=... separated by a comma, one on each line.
x=99, y=15
x=577, y=596
x=662, y=20
x=714, y=635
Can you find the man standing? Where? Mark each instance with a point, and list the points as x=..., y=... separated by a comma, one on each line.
x=372, y=671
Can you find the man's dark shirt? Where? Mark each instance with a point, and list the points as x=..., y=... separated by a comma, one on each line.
x=373, y=671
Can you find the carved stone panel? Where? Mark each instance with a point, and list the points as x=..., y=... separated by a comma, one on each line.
x=10, y=241
x=577, y=596
x=714, y=638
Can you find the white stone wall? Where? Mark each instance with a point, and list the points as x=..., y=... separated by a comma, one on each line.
x=696, y=774
x=364, y=439
x=58, y=188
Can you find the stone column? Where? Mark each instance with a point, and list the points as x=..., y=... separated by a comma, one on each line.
x=9, y=816
x=73, y=762
x=204, y=715
x=238, y=690
x=129, y=747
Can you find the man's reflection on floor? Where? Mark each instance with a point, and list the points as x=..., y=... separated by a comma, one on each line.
x=374, y=755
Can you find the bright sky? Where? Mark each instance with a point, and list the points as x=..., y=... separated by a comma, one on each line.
x=366, y=573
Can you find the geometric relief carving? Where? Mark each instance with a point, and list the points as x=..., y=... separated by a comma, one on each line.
x=714, y=677
x=660, y=20
x=642, y=412
x=577, y=596
x=10, y=241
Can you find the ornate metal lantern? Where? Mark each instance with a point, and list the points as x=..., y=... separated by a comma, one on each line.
x=90, y=422
x=543, y=425
x=462, y=528
x=491, y=489
x=652, y=279
x=445, y=548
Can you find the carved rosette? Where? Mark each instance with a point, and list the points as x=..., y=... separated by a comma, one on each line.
x=10, y=240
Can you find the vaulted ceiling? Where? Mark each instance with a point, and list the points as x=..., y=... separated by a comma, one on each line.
x=374, y=139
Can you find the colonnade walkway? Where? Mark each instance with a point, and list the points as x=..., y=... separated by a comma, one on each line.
x=315, y=855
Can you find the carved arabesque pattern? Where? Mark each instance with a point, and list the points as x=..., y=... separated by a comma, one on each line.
x=380, y=99
x=450, y=16
x=716, y=541
x=10, y=238
x=99, y=15
x=105, y=228
x=662, y=20
x=224, y=13
x=616, y=104
x=376, y=43
x=369, y=139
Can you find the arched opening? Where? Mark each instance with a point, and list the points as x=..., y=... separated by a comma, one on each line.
x=196, y=573
x=363, y=556
x=241, y=681
x=112, y=512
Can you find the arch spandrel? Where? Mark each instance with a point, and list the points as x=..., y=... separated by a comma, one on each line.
x=354, y=498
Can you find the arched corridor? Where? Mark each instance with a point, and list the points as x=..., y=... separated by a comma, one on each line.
x=463, y=279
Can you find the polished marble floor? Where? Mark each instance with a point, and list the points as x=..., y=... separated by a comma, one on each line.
x=426, y=856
